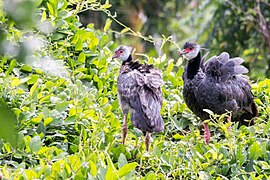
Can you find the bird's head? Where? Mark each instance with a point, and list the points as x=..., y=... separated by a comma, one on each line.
x=122, y=53
x=190, y=50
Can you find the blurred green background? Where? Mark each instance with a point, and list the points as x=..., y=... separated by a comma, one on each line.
x=240, y=27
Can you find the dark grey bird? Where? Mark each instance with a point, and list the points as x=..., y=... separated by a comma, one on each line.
x=218, y=85
x=139, y=89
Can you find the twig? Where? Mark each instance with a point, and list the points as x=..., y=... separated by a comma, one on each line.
x=98, y=7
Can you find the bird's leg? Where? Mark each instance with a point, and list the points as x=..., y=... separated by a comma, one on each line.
x=206, y=133
x=124, y=129
x=147, y=140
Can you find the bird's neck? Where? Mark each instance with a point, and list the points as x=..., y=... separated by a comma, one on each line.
x=193, y=66
x=129, y=59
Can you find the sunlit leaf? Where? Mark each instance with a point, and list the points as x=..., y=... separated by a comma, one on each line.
x=33, y=88
x=93, y=168
x=94, y=42
x=107, y=25
x=150, y=176
x=31, y=174
x=124, y=170
x=255, y=151
x=50, y=7
x=81, y=57
x=15, y=82
x=48, y=121
x=124, y=30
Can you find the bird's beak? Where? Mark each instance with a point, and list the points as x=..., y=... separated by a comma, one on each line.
x=116, y=55
x=182, y=52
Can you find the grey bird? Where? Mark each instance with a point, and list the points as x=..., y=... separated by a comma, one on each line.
x=139, y=90
x=218, y=85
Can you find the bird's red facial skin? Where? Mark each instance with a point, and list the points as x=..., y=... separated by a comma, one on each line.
x=187, y=50
x=117, y=53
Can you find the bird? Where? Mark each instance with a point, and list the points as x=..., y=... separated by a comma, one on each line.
x=219, y=85
x=139, y=92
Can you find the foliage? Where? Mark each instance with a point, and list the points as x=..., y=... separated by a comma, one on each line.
x=241, y=28
x=237, y=28
x=58, y=93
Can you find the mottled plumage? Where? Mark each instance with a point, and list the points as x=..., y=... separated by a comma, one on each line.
x=139, y=89
x=140, y=93
x=218, y=85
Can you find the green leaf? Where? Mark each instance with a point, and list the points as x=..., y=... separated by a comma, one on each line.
x=44, y=16
x=257, y=169
x=71, y=119
x=79, y=45
x=124, y=30
x=255, y=151
x=26, y=68
x=36, y=119
x=33, y=88
x=12, y=65
x=48, y=121
x=33, y=79
x=264, y=165
x=178, y=136
x=35, y=144
x=50, y=7
x=156, y=151
x=93, y=43
x=81, y=57
x=150, y=176
x=7, y=123
x=126, y=169
x=60, y=107
x=106, y=5
x=110, y=174
x=107, y=24
x=15, y=82
x=30, y=174
x=122, y=160
x=93, y=168
x=75, y=162
x=170, y=66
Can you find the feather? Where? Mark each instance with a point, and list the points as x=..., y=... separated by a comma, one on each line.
x=203, y=59
x=139, y=88
x=240, y=70
x=224, y=57
x=220, y=87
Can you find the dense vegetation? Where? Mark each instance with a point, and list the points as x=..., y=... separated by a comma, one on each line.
x=60, y=115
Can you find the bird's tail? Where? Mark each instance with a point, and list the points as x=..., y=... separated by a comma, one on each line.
x=140, y=121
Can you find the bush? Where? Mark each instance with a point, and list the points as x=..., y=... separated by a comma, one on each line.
x=58, y=87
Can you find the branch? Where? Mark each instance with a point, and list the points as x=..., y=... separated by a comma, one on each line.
x=263, y=26
x=98, y=7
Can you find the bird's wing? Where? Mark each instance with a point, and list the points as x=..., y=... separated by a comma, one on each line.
x=222, y=68
x=150, y=100
x=233, y=95
x=154, y=79
x=127, y=85
x=142, y=92
x=127, y=89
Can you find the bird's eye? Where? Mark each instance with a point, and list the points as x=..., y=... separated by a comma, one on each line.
x=191, y=48
x=121, y=51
